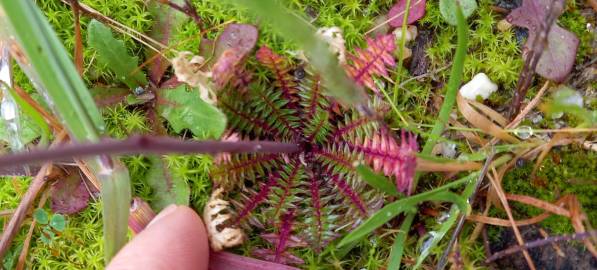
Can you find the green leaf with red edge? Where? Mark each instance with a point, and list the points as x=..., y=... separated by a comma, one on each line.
x=166, y=21
x=184, y=109
x=69, y=195
x=415, y=12
x=559, y=55
x=168, y=187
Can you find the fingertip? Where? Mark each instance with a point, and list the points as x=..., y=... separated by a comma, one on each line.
x=175, y=239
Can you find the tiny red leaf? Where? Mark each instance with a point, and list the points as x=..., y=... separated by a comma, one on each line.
x=416, y=11
x=231, y=49
x=559, y=55
x=240, y=37
x=69, y=195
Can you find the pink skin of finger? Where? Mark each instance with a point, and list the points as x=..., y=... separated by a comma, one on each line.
x=175, y=239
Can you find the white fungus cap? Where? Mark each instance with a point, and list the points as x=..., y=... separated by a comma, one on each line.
x=480, y=85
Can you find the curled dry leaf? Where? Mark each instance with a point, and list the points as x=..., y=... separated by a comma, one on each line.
x=473, y=113
x=187, y=68
x=217, y=218
x=559, y=55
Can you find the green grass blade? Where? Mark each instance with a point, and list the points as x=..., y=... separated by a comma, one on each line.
x=453, y=84
x=303, y=34
x=398, y=246
x=460, y=206
x=51, y=69
x=48, y=65
x=444, y=114
x=377, y=181
x=393, y=209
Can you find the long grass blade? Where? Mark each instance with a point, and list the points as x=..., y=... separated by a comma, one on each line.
x=48, y=65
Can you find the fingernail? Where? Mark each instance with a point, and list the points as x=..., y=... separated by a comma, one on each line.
x=166, y=212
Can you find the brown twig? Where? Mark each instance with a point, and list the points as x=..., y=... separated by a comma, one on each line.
x=501, y=195
x=532, y=58
x=54, y=123
x=21, y=212
x=145, y=144
x=540, y=242
x=78, y=38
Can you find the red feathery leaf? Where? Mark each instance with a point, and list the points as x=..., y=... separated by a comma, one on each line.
x=384, y=154
x=349, y=193
x=284, y=234
x=372, y=61
x=281, y=69
x=316, y=201
x=260, y=197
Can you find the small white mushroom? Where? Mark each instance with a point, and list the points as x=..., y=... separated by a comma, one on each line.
x=480, y=85
x=410, y=35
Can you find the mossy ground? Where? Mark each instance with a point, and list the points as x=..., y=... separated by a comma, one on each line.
x=491, y=51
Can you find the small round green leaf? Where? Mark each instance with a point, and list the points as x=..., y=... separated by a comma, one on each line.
x=58, y=222
x=448, y=9
x=41, y=216
x=45, y=239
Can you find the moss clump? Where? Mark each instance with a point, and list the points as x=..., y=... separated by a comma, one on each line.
x=568, y=170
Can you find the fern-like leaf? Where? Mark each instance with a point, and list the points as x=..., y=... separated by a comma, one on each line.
x=280, y=67
x=385, y=155
x=372, y=61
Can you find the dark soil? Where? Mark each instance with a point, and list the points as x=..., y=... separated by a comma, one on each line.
x=545, y=257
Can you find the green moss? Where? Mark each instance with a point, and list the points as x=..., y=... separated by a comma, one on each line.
x=490, y=51
x=574, y=174
x=577, y=24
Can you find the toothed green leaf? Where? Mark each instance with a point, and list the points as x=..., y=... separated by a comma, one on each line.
x=184, y=109
x=112, y=53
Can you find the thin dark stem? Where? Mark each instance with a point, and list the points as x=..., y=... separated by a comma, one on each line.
x=145, y=144
x=461, y=219
x=540, y=242
x=532, y=59
x=187, y=9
